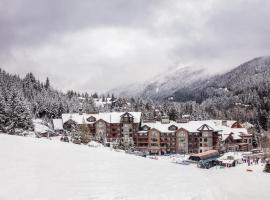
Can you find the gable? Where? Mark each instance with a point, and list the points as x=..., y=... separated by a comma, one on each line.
x=236, y=125
x=127, y=118
x=173, y=128
x=145, y=128
x=205, y=127
x=91, y=119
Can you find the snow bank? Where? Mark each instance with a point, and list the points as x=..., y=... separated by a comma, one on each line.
x=40, y=126
x=94, y=144
x=50, y=170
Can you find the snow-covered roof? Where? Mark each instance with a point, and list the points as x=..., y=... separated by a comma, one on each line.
x=109, y=117
x=57, y=124
x=235, y=132
x=40, y=126
x=247, y=125
x=231, y=156
x=191, y=126
x=229, y=123
x=194, y=127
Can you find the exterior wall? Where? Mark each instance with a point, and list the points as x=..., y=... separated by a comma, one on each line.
x=101, y=129
x=168, y=142
x=206, y=141
x=141, y=141
x=216, y=141
x=248, y=140
x=194, y=142
x=154, y=141
x=182, y=141
x=113, y=133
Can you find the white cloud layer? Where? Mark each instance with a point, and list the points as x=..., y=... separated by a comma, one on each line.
x=97, y=45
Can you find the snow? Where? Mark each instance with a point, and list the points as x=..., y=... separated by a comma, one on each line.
x=191, y=126
x=109, y=117
x=94, y=144
x=57, y=124
x=40, y=126
x=100, y=103
x=40, y=169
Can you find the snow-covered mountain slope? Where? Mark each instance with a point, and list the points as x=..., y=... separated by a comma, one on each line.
x=165, y=84
x=245, y=79
x=50, y=170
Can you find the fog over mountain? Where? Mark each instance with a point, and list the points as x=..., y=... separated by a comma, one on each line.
x=165, y=84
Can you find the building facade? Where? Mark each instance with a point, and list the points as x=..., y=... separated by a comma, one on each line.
x=161, y=137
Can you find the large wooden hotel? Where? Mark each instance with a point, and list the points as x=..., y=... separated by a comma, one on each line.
x=165, y=136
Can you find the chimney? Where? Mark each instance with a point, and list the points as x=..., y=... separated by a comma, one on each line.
x=224, y=123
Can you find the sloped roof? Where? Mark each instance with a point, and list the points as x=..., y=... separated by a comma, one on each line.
x=40, y=126
x=110, y=117
x=57, y=124
x=235, y=132
x=205, y=127
x=191, y=126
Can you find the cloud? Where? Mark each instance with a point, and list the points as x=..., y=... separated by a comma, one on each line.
x=98, y=45
x=96, y=58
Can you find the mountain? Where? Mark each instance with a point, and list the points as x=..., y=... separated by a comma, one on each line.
x=166, y=84
x=243, y=80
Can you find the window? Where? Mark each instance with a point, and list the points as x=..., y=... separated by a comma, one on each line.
x=172, y=128
x=205, y=139
x=91, y=119
x=145, y=128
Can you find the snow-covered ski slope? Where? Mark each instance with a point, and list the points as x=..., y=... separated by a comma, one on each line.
x=39, y=169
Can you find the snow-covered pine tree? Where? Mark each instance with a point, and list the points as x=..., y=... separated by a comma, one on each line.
x=18, y=113
x=2, y=112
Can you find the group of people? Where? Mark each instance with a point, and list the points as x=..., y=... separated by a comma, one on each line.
x=251, y=160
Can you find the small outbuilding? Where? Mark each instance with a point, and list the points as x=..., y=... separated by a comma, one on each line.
x=211, y=154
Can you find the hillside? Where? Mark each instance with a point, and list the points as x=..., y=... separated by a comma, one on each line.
x=165, y=84
x=41, y=169
x=241, y=81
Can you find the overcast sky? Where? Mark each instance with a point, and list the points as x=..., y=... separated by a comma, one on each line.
x=96, y=45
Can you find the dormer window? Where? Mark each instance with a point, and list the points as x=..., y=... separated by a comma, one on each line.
x=145, y=128
x=91, y=119
x=172, y=128
x=127, y=118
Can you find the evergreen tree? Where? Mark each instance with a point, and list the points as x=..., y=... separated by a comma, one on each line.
x=47, y=83
x=2, y=112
